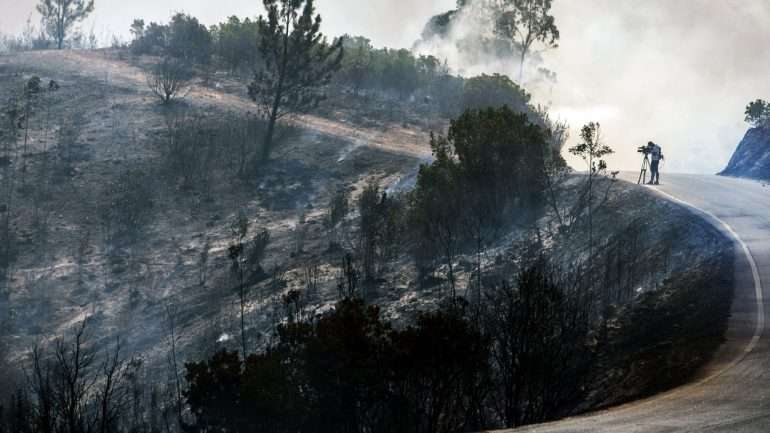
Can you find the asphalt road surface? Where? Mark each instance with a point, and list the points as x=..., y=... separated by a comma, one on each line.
x=731, y=394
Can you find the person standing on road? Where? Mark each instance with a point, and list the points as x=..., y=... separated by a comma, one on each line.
x=656, y=155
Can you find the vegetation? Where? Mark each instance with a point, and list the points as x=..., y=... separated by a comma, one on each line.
x=60, y=15
x=757, y=113
x=297, y=62
x=591, y=149
x=494, y=91
x=526, y=22
x=183, y=38
x=236, y=43
x=487, y=170
x=168, y=79
x=522, y=336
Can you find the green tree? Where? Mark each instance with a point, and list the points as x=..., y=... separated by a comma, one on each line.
x=526, y=22
x=188, y=39
x=401, y=73
x=494, y=91
x=757, y=112
x=237, y=42
x=60, y=15
x=489, y=169
x=297, y=62
x=356, y=65
x=137, y=29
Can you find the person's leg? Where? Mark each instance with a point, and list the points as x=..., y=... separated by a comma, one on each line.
x=657, y=172
x=653, y=172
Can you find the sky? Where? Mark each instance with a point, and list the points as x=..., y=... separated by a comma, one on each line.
x=677, y=72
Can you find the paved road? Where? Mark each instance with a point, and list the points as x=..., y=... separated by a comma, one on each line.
x=732, y=394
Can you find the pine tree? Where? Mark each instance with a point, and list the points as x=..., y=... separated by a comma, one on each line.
x=297, y=63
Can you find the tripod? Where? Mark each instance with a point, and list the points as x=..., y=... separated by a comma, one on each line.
x=643, y=173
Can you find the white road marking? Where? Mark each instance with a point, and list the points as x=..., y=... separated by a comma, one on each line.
x=760, y=326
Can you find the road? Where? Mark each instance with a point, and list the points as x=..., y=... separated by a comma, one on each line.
x=732, y=394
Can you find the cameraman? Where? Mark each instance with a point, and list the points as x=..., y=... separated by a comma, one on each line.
x=656, y=154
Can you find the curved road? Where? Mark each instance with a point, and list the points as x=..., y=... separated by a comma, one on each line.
x=732, y=394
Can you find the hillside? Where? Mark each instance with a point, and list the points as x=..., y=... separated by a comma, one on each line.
x=751, y=158
x=68, y=267
x=125, y=212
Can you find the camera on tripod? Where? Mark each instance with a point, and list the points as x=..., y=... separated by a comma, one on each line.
x=646, y=150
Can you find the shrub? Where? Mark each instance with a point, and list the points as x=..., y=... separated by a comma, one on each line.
x=128, y=203
x=168, y=79
x=494, y=91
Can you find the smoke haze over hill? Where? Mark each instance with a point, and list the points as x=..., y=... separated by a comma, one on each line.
x=678, y=73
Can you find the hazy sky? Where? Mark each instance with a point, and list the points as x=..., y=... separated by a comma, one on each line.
x=678, y=72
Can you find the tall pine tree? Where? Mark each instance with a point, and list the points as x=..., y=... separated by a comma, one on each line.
x=297, y=63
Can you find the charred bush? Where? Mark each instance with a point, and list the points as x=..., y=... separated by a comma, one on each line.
x=127, y=204
x=169, y=79
x=540, y=346
x=349, y=371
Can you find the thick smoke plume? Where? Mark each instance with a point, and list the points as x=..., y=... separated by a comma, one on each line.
x=678, y=73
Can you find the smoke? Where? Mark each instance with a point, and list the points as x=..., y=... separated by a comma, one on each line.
x=678, y=73
x=674, y=72
x=465, y=39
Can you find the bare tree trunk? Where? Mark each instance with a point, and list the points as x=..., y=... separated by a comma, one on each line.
x=171, y=313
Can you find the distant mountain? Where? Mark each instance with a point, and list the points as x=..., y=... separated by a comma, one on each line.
x=752, y=157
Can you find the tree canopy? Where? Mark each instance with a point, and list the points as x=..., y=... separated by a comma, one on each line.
x=60, y=15
x=757, y=112
x=296, y=63
x=526, y=22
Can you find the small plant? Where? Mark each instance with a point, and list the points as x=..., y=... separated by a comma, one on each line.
x=168, y=79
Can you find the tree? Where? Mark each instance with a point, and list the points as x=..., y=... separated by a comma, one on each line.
x=401, y=73
x=188, y=40
x=371, y=222
x=757, y=113
x=526, y=22
x=591, y=150
x=488, y=171
x=60, y=15
x=297, y=63
x=338, y=210
x=137, y=29
x=356, y=66
x=236, y=252
x=237, y=43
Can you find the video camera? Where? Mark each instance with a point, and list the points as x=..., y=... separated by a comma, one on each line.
x=646, y=150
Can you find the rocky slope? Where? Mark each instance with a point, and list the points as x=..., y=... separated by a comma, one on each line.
x=752, y=157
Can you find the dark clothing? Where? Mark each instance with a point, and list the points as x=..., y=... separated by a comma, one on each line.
x=655, y=173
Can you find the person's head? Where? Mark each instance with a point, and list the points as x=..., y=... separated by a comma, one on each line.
x=650, y=144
